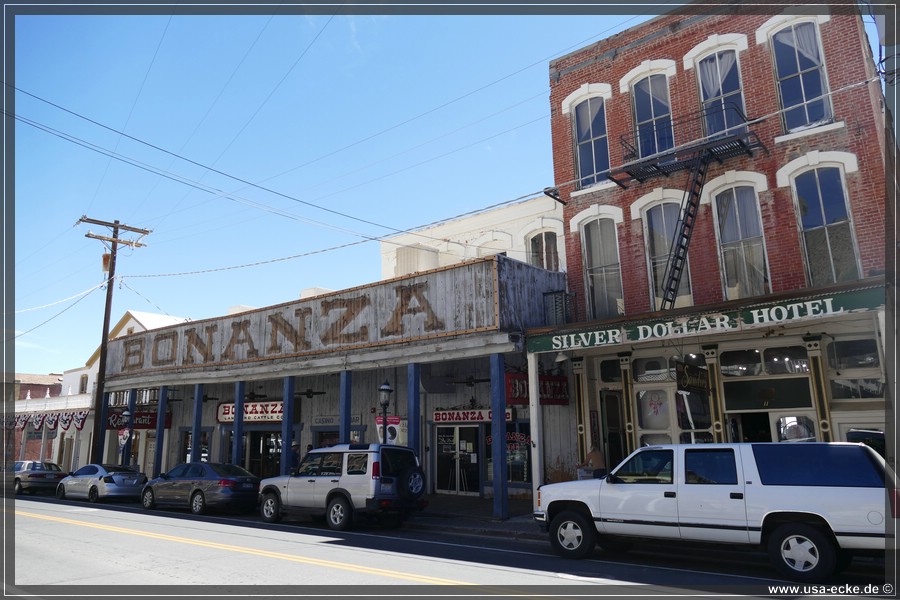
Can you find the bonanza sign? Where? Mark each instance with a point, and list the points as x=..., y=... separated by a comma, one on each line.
x=554, y=389
x=253, y=412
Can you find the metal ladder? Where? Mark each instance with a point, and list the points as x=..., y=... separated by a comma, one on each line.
x=681, y=239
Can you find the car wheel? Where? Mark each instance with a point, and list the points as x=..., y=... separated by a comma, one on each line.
x=801, y=552
x=572, y=535
x=93, y=494
x=270, y=509
x=18, y=487
x=61, y=492
x=147, y=499
x=198, y=503
x=412, y=483
x=339, y=515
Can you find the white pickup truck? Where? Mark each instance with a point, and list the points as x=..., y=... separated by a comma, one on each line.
x=811, y=506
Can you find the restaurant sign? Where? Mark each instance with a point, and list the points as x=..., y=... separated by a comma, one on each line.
x=553, y=389
x=475, y=415
x=253, y=412
x=753, y=317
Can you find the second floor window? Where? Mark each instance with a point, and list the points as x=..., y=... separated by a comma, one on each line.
x=661, y=222
x=801, y=76
x=720, y=92
x=83, y=384
x=827, y=231
x=592, y=144
x=741, y=243
x=602, y=270
x=542, y=251
x=653, y=115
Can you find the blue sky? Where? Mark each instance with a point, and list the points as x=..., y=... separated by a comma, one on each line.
x=394, y=121
x=264, y=152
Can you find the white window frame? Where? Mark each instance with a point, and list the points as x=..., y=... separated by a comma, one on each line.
x=584, y=93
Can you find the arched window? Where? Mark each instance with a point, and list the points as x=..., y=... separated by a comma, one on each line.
x=800, y=71
x=591, y=141
x=720, y=93
x=741, y=246
x=653, y=115
x=661, y=221
x=603, y=274
x=543, y=252
x=828, y=239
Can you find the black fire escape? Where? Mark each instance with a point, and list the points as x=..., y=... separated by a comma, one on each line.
x=733, y=138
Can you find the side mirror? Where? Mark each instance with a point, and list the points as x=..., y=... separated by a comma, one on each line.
x=613, y=479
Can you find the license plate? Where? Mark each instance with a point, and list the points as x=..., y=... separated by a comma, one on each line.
x=247, y=486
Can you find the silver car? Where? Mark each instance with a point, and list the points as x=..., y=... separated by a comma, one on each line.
x=37, y=476
x=99, y=482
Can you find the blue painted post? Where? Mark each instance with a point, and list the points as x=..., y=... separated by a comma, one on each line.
x=196, y=442
x=237, y=432
x=498, y=435
x=287, y=424
x=132, y=406
x=345, y=407
x=414, y=408
x=161, y=410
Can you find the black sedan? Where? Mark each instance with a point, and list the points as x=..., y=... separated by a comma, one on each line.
x=200, y=485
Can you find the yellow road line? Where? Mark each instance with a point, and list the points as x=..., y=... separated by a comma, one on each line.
x=244, y=550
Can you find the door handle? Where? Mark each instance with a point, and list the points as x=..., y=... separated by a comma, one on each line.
x=737, y=496
x=669, y=495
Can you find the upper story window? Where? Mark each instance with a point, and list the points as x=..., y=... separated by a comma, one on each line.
x=661, y=222
x=591, y=140
x=720, y=93
x=828, y=239
x=741, y=249
x=543, y=252
x=83, y=384
x=653, y=115
x=800, y=72
x=603, y=273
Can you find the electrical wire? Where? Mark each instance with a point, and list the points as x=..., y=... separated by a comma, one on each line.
x=17, y=336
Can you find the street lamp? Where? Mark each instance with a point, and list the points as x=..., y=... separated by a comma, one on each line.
x=385, y=392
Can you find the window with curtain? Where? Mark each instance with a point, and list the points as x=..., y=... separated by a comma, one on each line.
x=720, y=94
x=827, y=231
x=653, y=115
x=592, y=144
x=603, y=273
x=801, y=76
x=543, y=252
x=741, y=247
x=661, y=222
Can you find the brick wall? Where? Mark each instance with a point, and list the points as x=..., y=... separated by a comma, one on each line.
x=671, y=37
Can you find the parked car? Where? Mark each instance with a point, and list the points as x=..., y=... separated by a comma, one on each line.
x=811, y=506
x=98, y=482
x=199, y=485
x=36, y=476
x=345, y=481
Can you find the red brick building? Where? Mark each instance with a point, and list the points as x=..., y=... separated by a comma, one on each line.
x=724, y=188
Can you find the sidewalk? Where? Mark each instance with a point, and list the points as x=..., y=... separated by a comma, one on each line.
x=471, y=515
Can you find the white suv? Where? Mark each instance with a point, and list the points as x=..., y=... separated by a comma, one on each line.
x=347, y=480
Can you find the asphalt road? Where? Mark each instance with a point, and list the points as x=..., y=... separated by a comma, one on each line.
x=73, y=547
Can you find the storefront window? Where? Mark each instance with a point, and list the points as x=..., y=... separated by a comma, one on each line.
x=653, y=406
x=693, y=411
x=518, y=453
x=796, y=429
x=610, y=372
x=853, y=354
x=653, y=369
x=856, y=388
x=788, y=360
x=740, y=363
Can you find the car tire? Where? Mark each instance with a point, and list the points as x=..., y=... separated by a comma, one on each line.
x=93, y=494
x=147, y=499
x=411, y=483
x=572, y=535
x=802, y=552
x=60, y=492
x=198, y=503
x=339, y=514
x=270, y=508
x=18, y=487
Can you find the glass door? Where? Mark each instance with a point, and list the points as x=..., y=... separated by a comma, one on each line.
x=458, y=468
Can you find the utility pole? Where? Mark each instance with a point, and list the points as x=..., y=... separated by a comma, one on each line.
x=98, y=403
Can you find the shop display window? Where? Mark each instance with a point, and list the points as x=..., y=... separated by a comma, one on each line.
x=653, y=406
x=787, y=360
x=740, y=363
x=853, y=354
x=855, y=370
x=693, y=411
x=518, y=453
x=854, y=389
x=610, y=372
x=655, y=368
